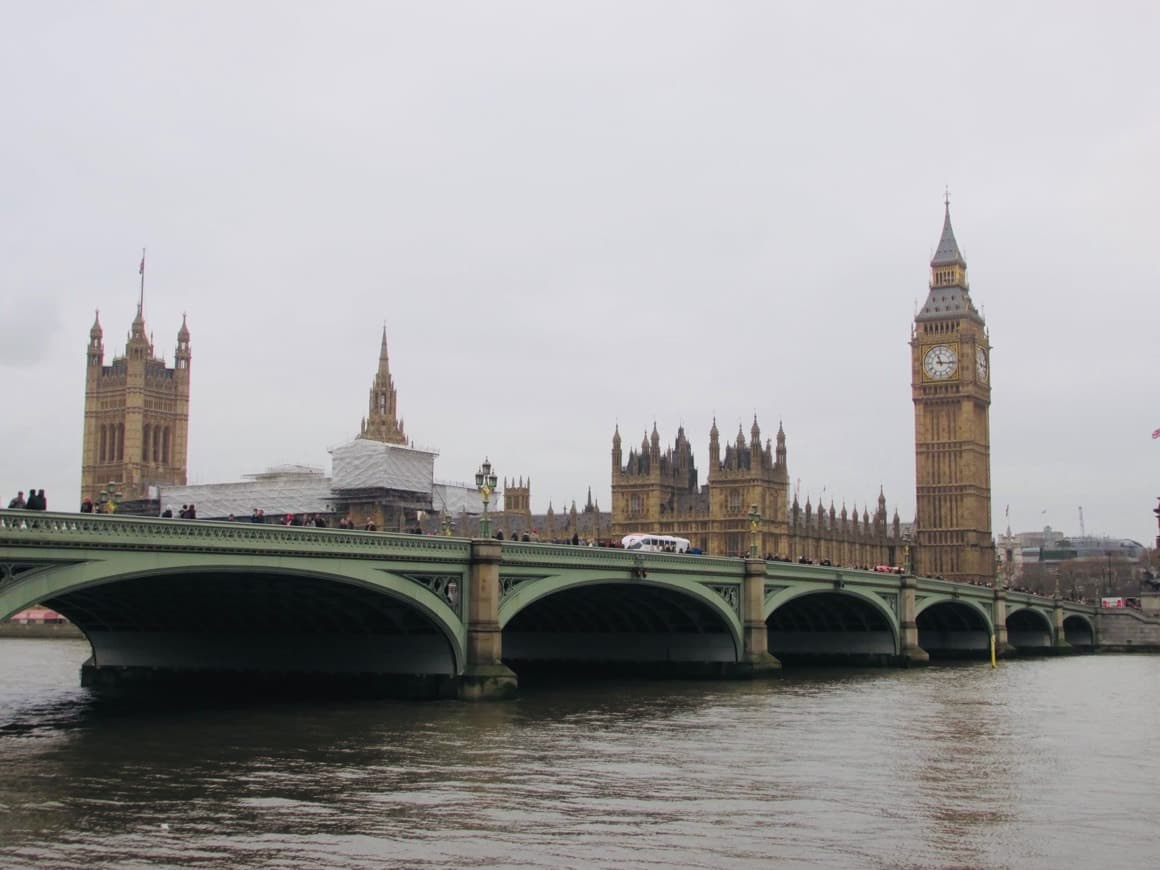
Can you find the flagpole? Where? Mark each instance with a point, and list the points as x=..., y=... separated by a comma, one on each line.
x=141, y=299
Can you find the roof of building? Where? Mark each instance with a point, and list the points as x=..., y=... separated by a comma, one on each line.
x=947, y=302
x=948, y=249
x=366, y=464
x=273, y=493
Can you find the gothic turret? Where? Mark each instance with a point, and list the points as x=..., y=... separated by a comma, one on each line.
x=182, y=354
x=382, y=423
x=96, y=353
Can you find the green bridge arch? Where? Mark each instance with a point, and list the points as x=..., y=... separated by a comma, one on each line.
x=464, y=607
x=879, y=633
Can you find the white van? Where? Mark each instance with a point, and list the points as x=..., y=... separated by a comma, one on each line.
x=655, y=543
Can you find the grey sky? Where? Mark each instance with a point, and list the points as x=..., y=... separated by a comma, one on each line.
x=573, y=215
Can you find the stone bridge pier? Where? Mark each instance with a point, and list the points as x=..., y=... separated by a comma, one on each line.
x=485, y=676
x=756, y=659
x=910, y=653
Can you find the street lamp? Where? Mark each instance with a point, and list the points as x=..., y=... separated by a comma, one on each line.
x=445, y=524
x=108, y=497
x=754, y=521
x=485, y=482
x=906, y=554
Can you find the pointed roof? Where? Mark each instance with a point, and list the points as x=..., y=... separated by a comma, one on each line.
x=949, y=297
x=948, y=253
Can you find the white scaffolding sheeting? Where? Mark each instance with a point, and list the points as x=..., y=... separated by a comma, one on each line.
x=455, y=498
x=274, y=493
x=366, y=464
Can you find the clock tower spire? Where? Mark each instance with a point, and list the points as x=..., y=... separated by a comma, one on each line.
x=951, y=389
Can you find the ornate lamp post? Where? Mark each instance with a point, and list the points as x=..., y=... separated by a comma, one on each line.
x=906, y=544
x=445, y=524
x=754, y=524
x=485, y=482
x=108, y=497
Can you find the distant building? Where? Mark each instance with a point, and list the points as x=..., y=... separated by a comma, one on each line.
x=376, y=479
x=136, y=428
x=286, y=489
x=659, y=492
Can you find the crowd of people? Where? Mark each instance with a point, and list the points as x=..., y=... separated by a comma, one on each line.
x=36, y=501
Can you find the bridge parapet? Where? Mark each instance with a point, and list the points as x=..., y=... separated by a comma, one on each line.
x=98, y=531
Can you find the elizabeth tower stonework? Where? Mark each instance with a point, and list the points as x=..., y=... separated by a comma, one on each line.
x=951, y=388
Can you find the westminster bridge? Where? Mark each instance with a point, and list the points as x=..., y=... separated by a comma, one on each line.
x=162, y=599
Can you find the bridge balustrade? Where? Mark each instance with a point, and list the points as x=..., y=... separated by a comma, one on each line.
x=149, y=587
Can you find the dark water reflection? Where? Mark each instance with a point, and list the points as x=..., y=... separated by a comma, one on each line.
x=1038, y=764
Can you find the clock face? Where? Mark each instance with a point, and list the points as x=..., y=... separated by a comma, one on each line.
x=981, y=364
x=940, y=362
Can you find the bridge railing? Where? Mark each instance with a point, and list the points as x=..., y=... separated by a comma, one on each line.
x=109, y=531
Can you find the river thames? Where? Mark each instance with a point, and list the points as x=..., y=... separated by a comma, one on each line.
x=1040, y=763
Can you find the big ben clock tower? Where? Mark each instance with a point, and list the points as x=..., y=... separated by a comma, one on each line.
x=951, y=387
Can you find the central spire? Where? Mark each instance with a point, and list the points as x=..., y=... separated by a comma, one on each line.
x=381, y=423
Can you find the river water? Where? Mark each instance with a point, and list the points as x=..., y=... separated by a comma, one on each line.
x=1044, y=763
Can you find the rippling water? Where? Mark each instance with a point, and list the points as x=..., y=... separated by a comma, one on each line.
x=1045, y=763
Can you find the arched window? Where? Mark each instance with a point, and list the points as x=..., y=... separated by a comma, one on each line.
x=165, y=445
x=120, y=442
x=104, y=443
x=156, y=454
x=146, y=442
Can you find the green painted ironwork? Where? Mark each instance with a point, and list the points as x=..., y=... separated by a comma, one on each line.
x=43, y=555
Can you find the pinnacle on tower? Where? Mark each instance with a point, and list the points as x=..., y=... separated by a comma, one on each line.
x=948, y=253
x=383, y=423
x=949, y=294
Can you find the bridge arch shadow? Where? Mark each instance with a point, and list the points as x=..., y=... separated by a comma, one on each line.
x=840, y=627
x=601, y=628
x=1079, y=632
x=951, y=628
x=205, y=624
x=1030, y=630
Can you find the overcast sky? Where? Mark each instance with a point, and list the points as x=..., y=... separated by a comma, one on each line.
x=576, y=215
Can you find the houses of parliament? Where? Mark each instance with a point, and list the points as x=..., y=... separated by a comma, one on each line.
x=137, y=413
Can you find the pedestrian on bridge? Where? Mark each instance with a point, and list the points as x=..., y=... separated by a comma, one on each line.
x=18, y=502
